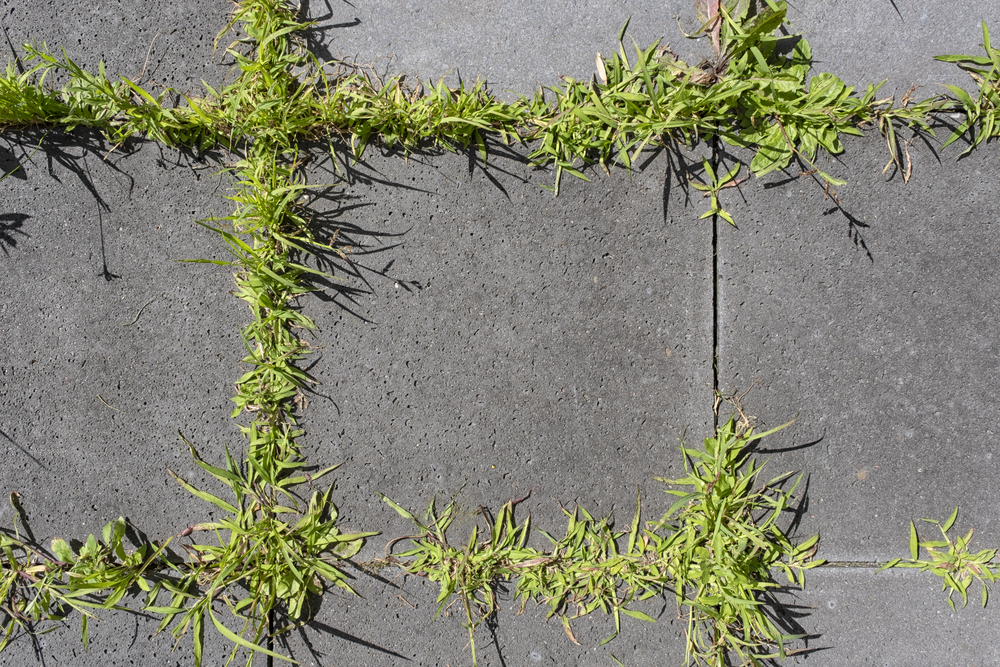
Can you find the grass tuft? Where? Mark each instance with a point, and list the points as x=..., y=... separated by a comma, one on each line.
x=715, y=549
x=950, y=559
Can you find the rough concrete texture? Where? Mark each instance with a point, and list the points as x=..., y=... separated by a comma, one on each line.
x=93, y=391
x=157, y=42
x=110, y=347
x=389, y=626
x=519, y=46
x=499, y=364
x=866, y=42
x=899, y=617
x=506, y=340
x=514, y=46
x=120, y=639
x=888, y=360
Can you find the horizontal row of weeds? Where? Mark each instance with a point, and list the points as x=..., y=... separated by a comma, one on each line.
x=754, y=93
x=714, y=549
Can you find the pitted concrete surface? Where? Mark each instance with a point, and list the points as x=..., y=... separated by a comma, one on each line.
x=111, y=344
x=156, y=42
x=889, y=361
x=350, y=631
x=515, y=47
x=509, y=340
x=499, y=340
x=894, y=40
x=518, y=46
x=110, y=347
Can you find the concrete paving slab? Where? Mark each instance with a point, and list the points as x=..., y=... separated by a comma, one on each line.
x=889, y=359
x=110, y=347
x=514, y=46
x=155, y=42
x=119, y=640
x=506, y=340
x=631, y=243
x=473, y=372
x=852, y=617
x=898, y=617
x=866, y=42
x=391, y=625
x=519, y=46
x=110, y=344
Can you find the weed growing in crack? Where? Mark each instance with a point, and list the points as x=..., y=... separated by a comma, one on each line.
x=37, y=587
x=271, y=552
x=712, y=188
x=753, y=94
x=951, y=560
x=715, y=549
x=268, y=546
x=982, y=114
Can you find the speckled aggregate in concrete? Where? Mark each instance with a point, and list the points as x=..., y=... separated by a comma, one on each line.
x=498, y=340
x=519, y=46
x=508, y=340
x=889, y=361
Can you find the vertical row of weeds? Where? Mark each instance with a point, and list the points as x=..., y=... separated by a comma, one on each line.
x=271, y=551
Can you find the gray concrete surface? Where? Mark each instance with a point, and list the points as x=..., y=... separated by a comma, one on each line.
x=351, y=631
x=514, y=46
x=526, y=345
x=866, y=42
x=77, y=461
x=508, y=340
x=158, y=42
x=888, y=360
x=519, y=46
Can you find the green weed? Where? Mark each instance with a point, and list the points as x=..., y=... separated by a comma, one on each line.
x=715, y=549
x=982, y=114
x=270, y=554
x=752, y=94
x=951, y=560
x=712, y=188
x=38, y=586
x=268, y=545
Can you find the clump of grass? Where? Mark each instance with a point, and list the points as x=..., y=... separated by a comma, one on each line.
x=950, y=559
x=38, y=586
x=982, y=114
x=120, y=110
x=724, y=542
x=274, y=548
x=714, y=549
x=712, y=188
x=271, y=553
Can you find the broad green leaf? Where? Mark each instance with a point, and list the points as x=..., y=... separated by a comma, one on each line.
x=62, y=551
